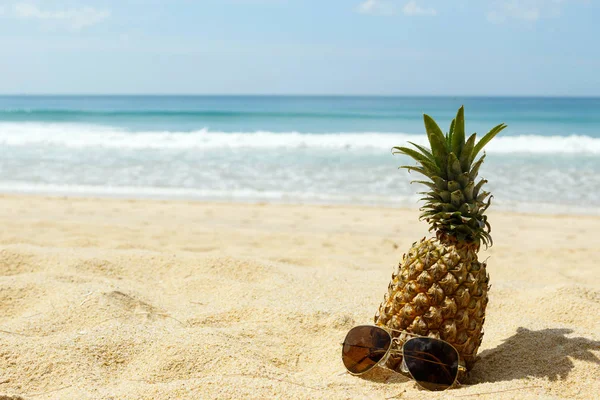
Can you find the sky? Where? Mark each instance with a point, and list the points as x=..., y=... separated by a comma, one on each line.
x=345, y=47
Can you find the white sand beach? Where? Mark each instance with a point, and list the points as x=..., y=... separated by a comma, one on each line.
x=124, y=299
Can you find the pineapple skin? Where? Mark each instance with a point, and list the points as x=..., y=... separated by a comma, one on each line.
x=440, y=290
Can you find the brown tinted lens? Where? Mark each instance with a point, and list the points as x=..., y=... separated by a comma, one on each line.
x=364, y=347
x=432, y=363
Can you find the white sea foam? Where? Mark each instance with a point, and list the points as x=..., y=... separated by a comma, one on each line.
x=90, y=136
x=249, y=195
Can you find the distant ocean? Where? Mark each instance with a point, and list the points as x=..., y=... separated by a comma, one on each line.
x=292, y=149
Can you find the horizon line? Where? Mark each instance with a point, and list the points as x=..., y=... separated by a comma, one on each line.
x=294, y=95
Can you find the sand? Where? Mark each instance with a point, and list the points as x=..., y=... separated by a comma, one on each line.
x=118, y=299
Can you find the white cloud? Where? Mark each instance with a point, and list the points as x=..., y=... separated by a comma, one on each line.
x=524, y=10
x=376, y=7
x=74, y=18
x=412, y=8
x=387, y=7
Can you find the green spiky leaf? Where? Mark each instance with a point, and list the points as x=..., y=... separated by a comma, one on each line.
x=453, y=166
x=457, y=198
x=420, y=170
x=440, y=182
x=463, y=179
x=424, y=150
x=482, y=196
x=428, y=184
x=436, y=140
x=468, y=191
x=489, y=202
x=445, y=195
x=465, y=155
x=411, y=153
x=485, y=140
x=475, y=168
x=458, y=136
x=478, y=187
x=453, y=186
x=421, y=158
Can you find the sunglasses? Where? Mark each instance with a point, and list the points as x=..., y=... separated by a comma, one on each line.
x=432, y=363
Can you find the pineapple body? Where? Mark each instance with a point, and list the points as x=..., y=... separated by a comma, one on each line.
x=439, y=290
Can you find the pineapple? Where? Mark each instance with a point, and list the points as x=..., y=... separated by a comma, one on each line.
x=440, y=288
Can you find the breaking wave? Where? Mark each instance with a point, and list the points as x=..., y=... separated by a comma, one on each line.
x=89, y=136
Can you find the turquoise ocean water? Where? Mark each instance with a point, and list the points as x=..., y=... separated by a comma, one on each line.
x=291, y=149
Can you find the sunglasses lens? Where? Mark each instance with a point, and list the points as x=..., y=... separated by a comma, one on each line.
x=364, y=347
x=432, y=363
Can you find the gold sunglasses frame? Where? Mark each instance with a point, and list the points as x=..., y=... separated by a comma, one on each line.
x=396, y=342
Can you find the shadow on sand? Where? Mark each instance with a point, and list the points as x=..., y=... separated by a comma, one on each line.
x=541, y=354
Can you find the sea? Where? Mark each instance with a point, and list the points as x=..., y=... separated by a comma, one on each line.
x=293, y=149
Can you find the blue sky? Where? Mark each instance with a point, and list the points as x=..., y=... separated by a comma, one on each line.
x=382, y=47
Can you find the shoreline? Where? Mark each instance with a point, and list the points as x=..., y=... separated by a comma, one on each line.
x=522, y=209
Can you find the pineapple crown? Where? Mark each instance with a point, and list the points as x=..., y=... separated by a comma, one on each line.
x=454, y=205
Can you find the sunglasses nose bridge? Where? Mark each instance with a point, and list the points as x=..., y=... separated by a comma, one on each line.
x=396, y=344
x=394, y=350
